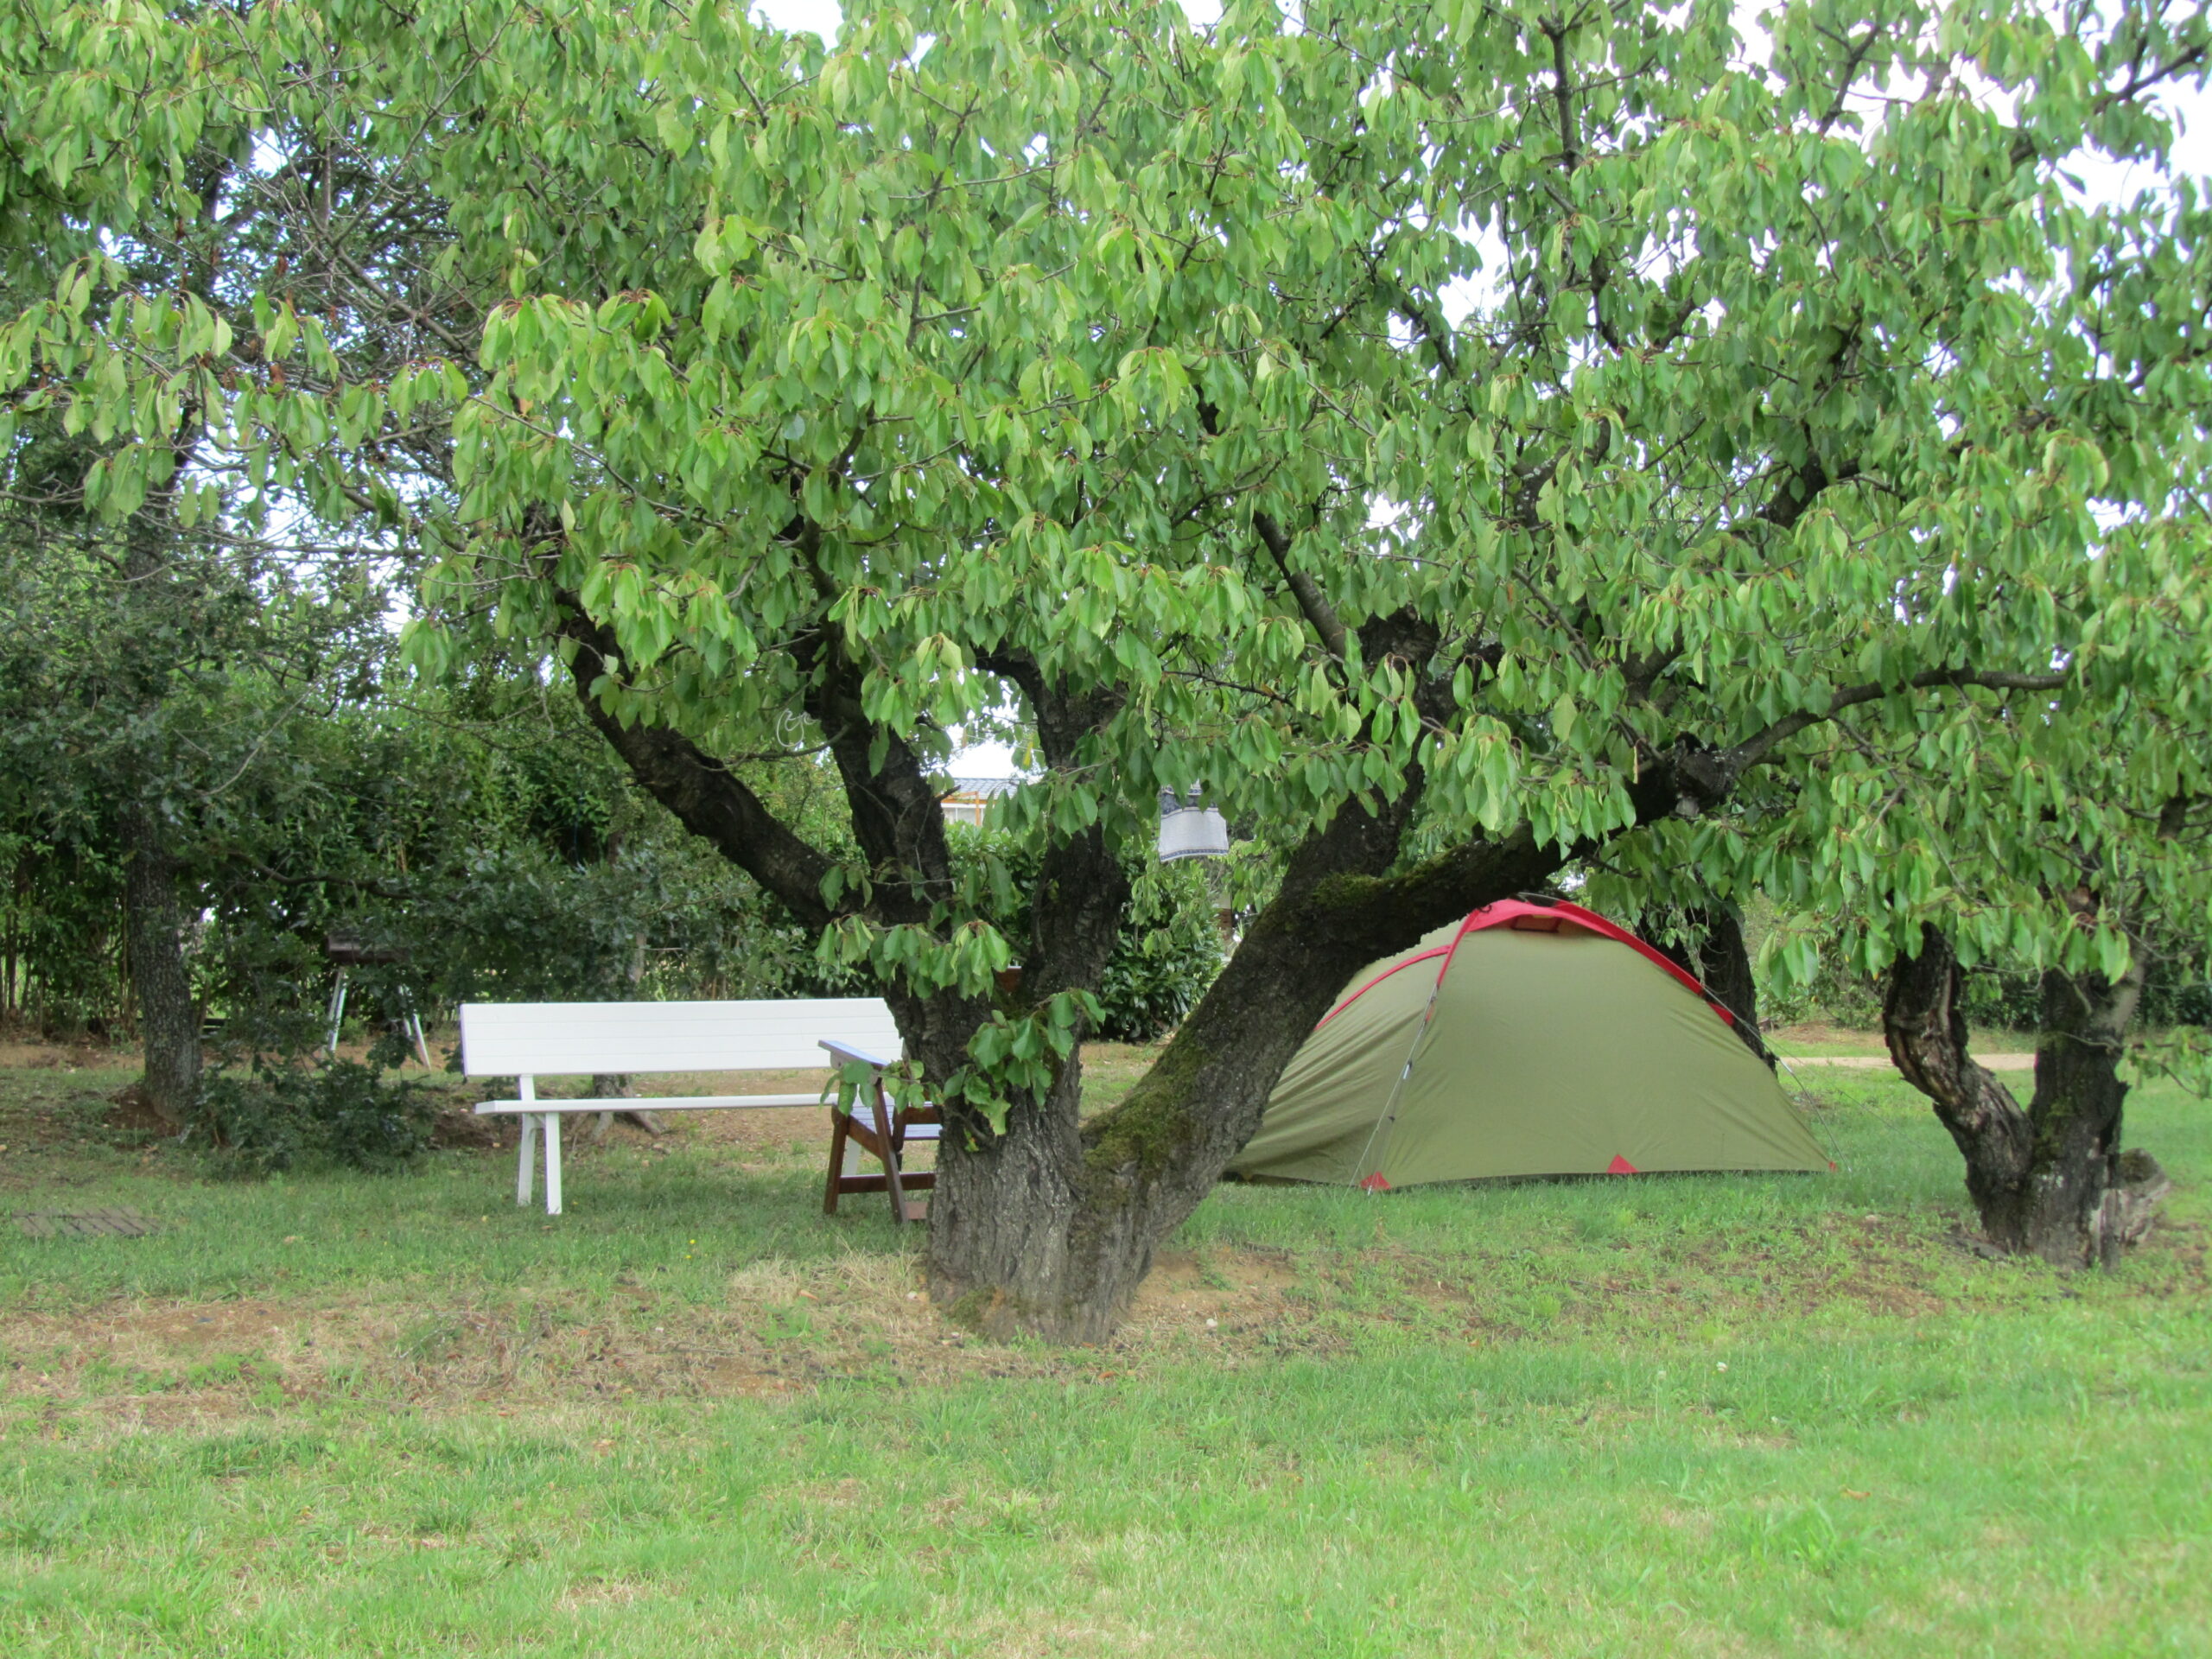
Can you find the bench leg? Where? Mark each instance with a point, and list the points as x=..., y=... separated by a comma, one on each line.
x=522, y=1170
x=552, y=1163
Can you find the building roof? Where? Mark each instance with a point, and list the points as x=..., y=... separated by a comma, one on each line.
x=986, y=789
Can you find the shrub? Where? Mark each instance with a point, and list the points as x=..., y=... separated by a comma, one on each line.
x=2173, y=994
x=2003, y=1001
x=1168, y=953
x=278, y=1115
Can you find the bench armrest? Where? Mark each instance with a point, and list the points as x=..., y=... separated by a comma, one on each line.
x=847, y=1052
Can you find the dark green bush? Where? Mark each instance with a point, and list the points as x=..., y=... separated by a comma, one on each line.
x=1167, y=955
x=1168, y=952
x=2176, y=994
x=2003, y=1001
x=278, y=1116
x=2173, y=994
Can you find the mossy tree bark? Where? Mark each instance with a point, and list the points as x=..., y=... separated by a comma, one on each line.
x=2049, y=1180
x=169, y=1019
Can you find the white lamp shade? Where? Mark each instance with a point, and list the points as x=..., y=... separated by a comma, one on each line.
x=1193, y=832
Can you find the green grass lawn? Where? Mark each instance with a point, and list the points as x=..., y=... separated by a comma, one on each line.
x=337, y=1414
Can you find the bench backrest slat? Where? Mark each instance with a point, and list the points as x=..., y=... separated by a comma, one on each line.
x=502, y=1039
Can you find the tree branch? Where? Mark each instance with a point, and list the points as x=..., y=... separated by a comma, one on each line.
x=1760, y=745
x=1927, y=1037
x=704, y=795
x=1082, y=890
x=1307, y=592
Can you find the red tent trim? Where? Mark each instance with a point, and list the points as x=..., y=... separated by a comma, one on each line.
x=1526, y=918
x=1440, y=951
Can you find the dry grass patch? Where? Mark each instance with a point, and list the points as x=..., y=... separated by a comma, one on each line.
x=781, y=1325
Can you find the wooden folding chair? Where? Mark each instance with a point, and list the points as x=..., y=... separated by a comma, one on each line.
x=868, y=1122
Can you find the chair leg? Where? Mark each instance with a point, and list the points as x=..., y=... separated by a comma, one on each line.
x=523, y=1171
x=414, y=1023
x=552, y=1163
x=900, y=1214
x=837, y=1139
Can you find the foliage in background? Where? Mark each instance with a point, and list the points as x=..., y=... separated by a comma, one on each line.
x=62, y=972
x=488, y=834
x=1168, y=949
x=1998, y=998
x=1169, y=952
x=487, y=837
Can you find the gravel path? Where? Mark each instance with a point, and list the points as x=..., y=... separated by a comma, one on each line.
x=1870, y=1062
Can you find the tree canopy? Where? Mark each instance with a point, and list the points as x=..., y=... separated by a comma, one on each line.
x=1469, y=440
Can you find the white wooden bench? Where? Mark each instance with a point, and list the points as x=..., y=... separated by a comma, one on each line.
x=530, y=1040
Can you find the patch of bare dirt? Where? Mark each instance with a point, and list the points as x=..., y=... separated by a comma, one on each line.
x=599, y=1593
x=458, y=1128
x=1882, y=1062
x=60, y=1057
x=750, y=1134
x=1819, y=1032
x=133, y=1113
x=756, y=1133
x=752, y=1131
x=782, y=1326
x=1234, y=1290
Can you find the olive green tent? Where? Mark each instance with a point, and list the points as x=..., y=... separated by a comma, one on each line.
x=1528, y=1040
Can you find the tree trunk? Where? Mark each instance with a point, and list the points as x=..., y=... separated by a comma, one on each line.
x=618, y=1085
x=168, y=1021
x=1724, y=963
x=998, y=1240
x=2050, y=1181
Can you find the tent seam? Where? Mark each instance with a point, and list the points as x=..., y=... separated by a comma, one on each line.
x=1428, y=1014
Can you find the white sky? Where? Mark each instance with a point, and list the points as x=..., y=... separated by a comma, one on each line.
x=983, y=760
x=2101, y=180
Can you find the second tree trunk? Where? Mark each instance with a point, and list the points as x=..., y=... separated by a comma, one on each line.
x=168, y=1020
x=2050, y=1181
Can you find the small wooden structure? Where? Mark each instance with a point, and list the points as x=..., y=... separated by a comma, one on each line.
x=970, y=799
x=344, y=952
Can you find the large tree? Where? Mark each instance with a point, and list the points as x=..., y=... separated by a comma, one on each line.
x=2090, y=825
x=150, y=673
x=178, y=596
x=1464, y=438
